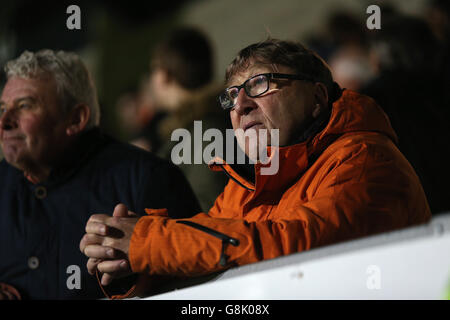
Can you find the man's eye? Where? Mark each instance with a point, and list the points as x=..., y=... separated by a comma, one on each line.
x=233, y=94
x=24, y=106
x=259, y=80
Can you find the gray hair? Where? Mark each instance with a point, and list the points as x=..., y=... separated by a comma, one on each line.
x=290, y=54
x=74, y=83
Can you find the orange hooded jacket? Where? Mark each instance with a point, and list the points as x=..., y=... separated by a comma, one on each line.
x=359, y=184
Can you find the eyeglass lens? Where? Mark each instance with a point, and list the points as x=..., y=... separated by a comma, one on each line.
x=253, y=87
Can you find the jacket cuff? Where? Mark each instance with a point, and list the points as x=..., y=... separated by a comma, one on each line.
x=139, y=251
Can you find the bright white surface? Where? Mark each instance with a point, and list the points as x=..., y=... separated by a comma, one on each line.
x=418, y=269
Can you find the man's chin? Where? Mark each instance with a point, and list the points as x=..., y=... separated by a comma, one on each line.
x=255, y=152
x=14, y=158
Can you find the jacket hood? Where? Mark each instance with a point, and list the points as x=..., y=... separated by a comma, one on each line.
x=354, y=112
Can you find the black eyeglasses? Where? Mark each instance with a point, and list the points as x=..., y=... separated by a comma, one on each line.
x=255, y=86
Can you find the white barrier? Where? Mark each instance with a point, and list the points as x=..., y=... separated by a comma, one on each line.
x=412, y=263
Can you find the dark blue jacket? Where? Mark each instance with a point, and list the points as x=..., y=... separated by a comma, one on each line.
x=41, y=225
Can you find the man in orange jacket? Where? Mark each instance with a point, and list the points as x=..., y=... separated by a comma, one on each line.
x=340, y=176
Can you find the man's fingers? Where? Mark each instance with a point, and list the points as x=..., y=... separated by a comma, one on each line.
x=114, y=266
x=90, y=239
x=112, y=269
x=105, y=229
x=106, y=279
x=99, y=218
x=92, y=265
x=96, y=228
x=101, y=252
x=120, y=210
x=132, y=214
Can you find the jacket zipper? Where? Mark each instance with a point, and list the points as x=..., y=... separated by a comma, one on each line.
x=225, y=239
x=234, y=179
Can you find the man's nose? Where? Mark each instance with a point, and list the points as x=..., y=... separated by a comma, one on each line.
x=244, y=103
x=7, y=120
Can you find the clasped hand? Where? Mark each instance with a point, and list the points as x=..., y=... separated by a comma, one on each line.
x=107, y=241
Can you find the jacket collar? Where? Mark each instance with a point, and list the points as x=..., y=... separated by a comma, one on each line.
x=284, y=167
x=74, y=157
x=353, y=112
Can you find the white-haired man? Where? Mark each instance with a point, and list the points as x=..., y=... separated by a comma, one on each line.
x=58, y=169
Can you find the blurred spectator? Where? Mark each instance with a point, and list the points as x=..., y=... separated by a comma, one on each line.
x=410, y=88
x=181, y=91
x=438, y=17
x=341, y=29
x=351, y=67
x=135, y=110
x=344, y=28
x=343, y=45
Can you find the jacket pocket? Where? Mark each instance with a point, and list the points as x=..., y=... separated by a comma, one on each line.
x=225, y=239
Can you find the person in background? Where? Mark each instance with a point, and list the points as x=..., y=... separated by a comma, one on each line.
x=182, y=90
x=437, y=15
x=340, y=176
x=412, y=89
x=135, y=110
x=58, y=168
x=343, y=44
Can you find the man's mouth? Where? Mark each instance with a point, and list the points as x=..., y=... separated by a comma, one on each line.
x=251, y=124
x=11, y=138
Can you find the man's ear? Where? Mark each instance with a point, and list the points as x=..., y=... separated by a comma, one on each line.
x=78, y=119
x=320, y=99
x=162, y=76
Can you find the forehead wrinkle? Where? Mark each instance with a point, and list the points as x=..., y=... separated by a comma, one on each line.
x=251, y=71
x=27, y=93
x=33, y=99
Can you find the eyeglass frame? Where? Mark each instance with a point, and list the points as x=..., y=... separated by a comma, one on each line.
x=270, y=76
